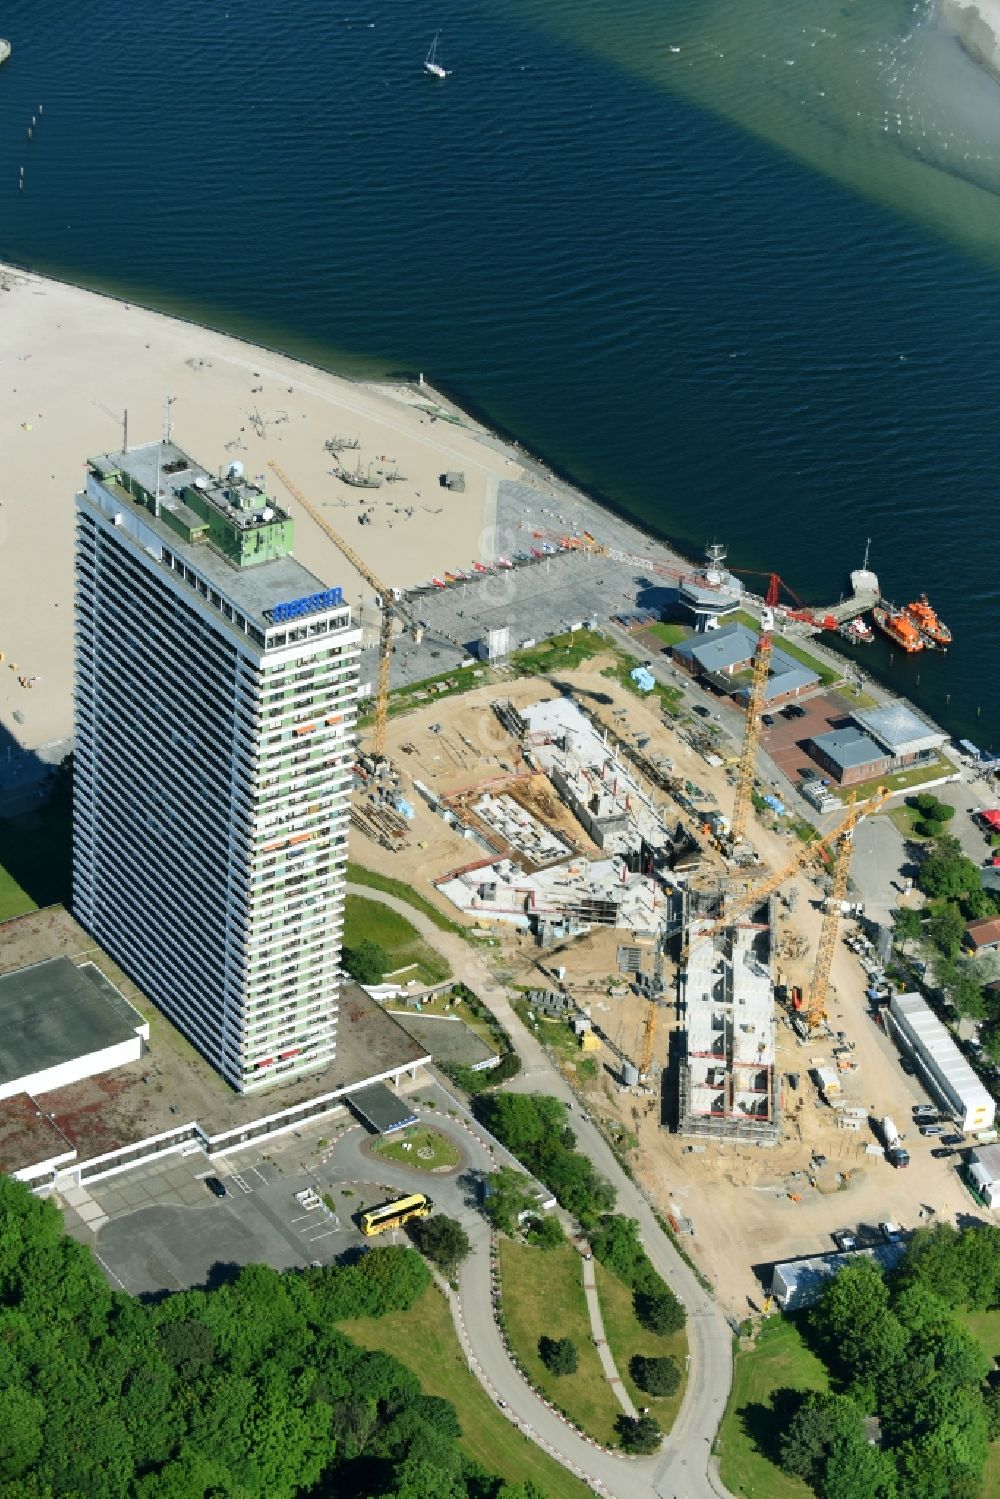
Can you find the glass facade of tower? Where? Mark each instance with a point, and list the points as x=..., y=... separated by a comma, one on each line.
x=215, y=696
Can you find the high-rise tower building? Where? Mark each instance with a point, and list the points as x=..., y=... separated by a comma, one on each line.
x=216, y=686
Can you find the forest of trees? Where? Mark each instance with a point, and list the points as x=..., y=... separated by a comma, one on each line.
x=897, y=1351
x=248, y=1391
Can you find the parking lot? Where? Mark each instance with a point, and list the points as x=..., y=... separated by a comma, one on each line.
x=160, y=1227
x=785, y=740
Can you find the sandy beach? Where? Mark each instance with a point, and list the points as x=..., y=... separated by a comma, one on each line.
x=72, y=361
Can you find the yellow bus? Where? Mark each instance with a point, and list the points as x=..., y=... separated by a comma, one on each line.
x=394, y=1214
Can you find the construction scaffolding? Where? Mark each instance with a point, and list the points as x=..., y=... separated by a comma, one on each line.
x=727, y=1085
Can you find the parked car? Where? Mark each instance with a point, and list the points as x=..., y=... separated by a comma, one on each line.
x=891, y=1232
x=216, y=1187
x=907, y=1066
x=794, y=711
x=845, y=1240
x=701, y=710
x=926, y=1113
x=941, y=1152
x=931, y=1131
x=951, y=1140
x=767, y=719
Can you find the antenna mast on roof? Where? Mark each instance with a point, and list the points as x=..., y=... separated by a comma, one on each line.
x=168, y=425
x=125, y=430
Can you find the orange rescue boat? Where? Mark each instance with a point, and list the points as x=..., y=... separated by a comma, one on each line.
x=898, y=627
x=927, y=622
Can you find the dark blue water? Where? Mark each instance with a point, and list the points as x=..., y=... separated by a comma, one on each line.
x=690, y=324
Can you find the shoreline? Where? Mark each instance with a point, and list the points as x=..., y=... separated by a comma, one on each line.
x=471, y=524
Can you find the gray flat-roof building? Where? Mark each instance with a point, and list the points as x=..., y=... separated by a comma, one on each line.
x=849, y=755
x=903, y=734
x=60, y=1023
x=800, y=1283
x=216, y=683
x=941, y=1063
x=724, y=653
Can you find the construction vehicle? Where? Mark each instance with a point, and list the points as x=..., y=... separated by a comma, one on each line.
x=388, y=600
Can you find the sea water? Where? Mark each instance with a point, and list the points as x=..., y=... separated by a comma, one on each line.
x=732, y=267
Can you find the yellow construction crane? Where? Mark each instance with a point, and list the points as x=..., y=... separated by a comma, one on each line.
x=746, y=770
x=815, y=1006
x=843, y=837
x=808, y=851
x=652, y=1010
x=385, y=598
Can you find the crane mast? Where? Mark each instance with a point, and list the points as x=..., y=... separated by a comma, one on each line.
x=756, y=702
x=384, y=597
x=815, y=1008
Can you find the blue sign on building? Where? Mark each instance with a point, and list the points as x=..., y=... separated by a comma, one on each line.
x=313, y=603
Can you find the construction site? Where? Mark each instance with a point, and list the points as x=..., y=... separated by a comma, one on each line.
x=685, y=959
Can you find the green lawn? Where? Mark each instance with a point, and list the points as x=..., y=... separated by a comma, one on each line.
x=667, y=634
x=448, y=1004
x=357, y=874
x=35, y=859
x=626, y=1338
x=418, y=1147
x=986, y=1326
x=900, y=780
x=542, y=1292
x=370, y=920
x=561, y=653
x=780, y=1360
x=424, y=1340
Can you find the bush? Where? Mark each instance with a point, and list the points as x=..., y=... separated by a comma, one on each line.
x=545, y=1233
x=558, y=1354
x=638, y=1434
x=473, y=1082
x=367, y=963
x=657, y=1376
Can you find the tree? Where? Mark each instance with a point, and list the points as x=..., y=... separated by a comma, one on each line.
x=638, y=1434
x=861, y=1338
x=965, y=993
x=510, y=1194
x=856, y=1470
x=945, y=873
x=906, y=923
x=659, y=1311
x=820, y=1421
x=442, y=1239
x=616, y=1244
x=657, y=1376
x=368, y=962
x=558, y=1354
x=545, y=1233
x=946, y=927
x=928, y=805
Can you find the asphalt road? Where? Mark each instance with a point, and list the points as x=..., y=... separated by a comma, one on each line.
x=685, y=1468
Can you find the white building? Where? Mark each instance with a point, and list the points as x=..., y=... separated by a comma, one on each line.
x=216, y=682
x=941, y=1064
x=728, y=1085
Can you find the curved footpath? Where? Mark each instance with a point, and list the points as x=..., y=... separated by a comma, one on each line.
x=685, y=1467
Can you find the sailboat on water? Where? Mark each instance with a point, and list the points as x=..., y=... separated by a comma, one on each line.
x=431, y=64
